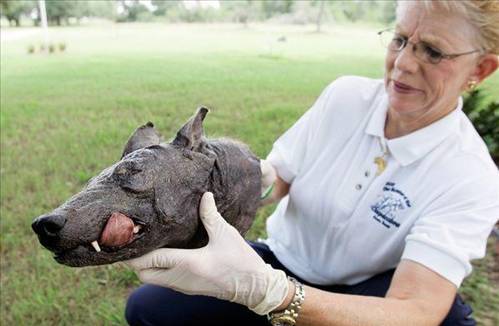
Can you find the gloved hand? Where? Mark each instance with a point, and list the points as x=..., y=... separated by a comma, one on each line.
x=269, y=176
x=226, y=268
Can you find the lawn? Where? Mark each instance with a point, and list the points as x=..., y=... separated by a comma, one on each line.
x=66, y=116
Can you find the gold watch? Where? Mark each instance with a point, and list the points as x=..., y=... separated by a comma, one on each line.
x=288, y=316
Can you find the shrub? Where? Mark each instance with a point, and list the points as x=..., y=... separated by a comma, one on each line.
x=31, y=48
x=485, y=118
x=62, y=46
x=51, y=48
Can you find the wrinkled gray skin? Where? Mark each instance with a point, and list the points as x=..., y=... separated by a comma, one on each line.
x=160, y=186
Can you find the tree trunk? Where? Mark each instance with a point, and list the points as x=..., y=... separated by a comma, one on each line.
x=319, y=16
x=11, y=19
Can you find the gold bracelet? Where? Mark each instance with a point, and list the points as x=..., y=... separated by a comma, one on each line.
x=290, y=314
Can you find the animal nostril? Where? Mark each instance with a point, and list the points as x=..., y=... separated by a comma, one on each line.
x=49, y=225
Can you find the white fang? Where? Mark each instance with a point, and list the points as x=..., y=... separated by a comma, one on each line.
x=95, y=244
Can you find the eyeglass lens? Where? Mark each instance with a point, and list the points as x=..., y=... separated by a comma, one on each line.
x=423, y=51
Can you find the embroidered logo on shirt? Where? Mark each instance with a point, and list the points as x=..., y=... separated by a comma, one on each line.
x=390, y=202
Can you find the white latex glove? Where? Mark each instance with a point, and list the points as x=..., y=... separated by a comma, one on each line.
x=226, y=268
x=269, y=176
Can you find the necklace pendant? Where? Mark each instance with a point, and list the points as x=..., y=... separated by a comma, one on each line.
x=381, y=164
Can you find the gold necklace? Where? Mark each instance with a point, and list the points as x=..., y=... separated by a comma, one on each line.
x=380, y=161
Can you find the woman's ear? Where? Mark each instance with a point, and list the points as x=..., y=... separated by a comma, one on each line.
x=486, y=66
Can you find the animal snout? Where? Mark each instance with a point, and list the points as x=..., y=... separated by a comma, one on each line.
x=48, y=226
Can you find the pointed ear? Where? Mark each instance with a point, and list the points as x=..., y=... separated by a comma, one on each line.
x=190, y=135
x=143, y=136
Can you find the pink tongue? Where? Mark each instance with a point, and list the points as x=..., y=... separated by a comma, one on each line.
x=118, y=231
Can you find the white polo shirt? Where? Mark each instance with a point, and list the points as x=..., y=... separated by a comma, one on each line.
x=435, y=203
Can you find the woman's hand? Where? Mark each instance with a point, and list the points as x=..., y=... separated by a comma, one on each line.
x=269, y=176
x=226, y=268
x=273, y=187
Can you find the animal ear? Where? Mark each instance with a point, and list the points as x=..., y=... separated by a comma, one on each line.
x=143, y=136
x=190, y=135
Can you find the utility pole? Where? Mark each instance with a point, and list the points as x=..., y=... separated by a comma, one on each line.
x=43, y=16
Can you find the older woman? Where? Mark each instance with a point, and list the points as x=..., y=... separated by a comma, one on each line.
x=387, y=194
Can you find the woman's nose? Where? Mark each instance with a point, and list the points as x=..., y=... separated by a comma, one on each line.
x=406, y=61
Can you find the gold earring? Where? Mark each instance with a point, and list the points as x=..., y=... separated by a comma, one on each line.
x=471, y=85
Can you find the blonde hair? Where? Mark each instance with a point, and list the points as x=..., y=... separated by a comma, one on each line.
x=483, y=15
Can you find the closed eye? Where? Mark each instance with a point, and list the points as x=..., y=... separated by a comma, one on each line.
x=133, y=179
x=134, y=170
x=127, y=169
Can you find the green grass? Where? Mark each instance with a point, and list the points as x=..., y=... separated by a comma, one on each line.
x=66, y=116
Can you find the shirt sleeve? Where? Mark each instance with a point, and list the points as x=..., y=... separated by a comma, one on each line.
x=454, y=228
x=290, y=150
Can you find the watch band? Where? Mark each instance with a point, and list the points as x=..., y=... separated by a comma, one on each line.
x=288, y=316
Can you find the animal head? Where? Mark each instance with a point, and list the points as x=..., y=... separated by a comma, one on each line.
x=150, y=198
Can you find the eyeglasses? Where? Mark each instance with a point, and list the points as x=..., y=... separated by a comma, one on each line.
x=422, y=50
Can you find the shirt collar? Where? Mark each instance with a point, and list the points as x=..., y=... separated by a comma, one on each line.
x=411, y=147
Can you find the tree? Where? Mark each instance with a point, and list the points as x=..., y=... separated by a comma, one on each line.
x=131, y=10
x=388, y=11
x=485, y=119
x=162, y=6
x=275, y=7
x=95, y=8
x=59, y=10
x=13, y=10
x=353, y=10
x=320, y=15
x=240, y=11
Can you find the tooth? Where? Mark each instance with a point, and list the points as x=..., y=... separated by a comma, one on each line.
x=136, y=228
x=95, y=244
